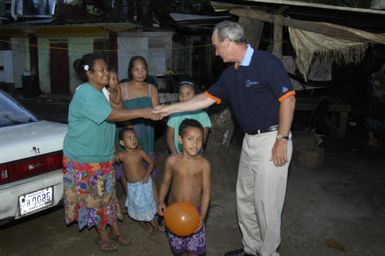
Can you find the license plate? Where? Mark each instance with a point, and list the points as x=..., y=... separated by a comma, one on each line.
x=36, y=200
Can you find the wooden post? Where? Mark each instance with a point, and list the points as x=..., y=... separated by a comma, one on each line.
x=278, y=28
x=253, y=30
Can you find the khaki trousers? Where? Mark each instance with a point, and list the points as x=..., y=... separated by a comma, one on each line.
x=261, y=189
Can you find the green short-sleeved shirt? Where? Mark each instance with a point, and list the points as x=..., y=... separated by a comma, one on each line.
x=90, y=137
x=177, y=118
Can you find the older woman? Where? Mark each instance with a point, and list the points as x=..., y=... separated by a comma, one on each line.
x=89, y=179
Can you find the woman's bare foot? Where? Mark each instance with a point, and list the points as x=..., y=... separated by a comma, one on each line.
x=121, y=240
x=105, y=245
x=117, y=235
x=104, y=241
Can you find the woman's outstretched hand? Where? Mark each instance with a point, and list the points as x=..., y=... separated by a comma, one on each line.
x=149, y=114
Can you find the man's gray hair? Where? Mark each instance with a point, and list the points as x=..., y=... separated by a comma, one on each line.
x=231, y=30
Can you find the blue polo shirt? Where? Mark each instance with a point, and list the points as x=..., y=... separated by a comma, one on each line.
x=254, y=89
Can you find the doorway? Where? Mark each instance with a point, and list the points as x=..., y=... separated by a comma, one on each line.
x=59, y=68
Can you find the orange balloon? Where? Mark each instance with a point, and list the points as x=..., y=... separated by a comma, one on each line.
x=181, y=218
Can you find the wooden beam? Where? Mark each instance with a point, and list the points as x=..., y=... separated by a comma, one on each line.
x=278, y=28
x=327, y=29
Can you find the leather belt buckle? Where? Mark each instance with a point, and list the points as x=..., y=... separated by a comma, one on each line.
x=268, y=129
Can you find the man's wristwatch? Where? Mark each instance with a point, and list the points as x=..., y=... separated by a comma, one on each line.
x=282, y=137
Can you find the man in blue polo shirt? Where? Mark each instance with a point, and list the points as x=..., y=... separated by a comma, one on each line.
x=262, y=99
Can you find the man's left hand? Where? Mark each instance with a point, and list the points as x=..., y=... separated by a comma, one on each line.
x=279, y=153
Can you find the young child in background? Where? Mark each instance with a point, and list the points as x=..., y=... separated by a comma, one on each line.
x=114, y=91
x=187, y=90
x=140, y=200
x=189, y=180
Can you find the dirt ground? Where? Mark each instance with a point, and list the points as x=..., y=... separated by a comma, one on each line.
x=333, y=209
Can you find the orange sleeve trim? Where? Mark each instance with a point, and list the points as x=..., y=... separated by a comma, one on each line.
x=286, y=95
x=217, y=100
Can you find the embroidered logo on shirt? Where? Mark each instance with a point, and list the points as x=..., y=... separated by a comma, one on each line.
x=284, y=89
x=251, y=83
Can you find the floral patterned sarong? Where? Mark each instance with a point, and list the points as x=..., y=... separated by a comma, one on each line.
x=89, y=194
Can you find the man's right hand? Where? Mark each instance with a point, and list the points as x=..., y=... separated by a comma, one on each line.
x=148, y=113
x=163, y=110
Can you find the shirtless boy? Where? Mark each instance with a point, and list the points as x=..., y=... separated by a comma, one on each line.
x=140, y=200
x=188, y=177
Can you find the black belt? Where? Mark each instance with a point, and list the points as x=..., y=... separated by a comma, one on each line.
x=268, y=129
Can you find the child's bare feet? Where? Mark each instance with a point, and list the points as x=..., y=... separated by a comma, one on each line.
x=154, y=232
x=161, y=229
x=146, y=227
x=156, y=227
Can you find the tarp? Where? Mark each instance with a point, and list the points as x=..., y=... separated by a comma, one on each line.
x=349, y=46
x=316, y=49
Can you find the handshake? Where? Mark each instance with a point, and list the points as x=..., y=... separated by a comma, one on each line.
x=158, y=112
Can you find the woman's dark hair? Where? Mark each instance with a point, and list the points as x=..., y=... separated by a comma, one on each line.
x=189, y=123
x=84, y=64
x=131, y=65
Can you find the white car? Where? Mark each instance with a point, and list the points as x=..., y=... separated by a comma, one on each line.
x=31, y=178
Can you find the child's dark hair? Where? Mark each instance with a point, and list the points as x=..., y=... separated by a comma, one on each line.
x=84, y=64
x=190, y=84
x=112, y=69
x=124, y=130
x=131, y=65
x=189, y=123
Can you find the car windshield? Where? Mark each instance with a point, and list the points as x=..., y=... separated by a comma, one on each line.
x=12, y=113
